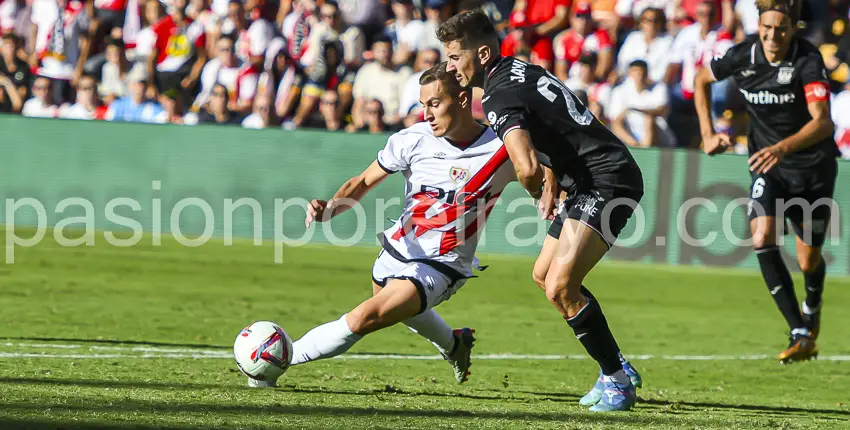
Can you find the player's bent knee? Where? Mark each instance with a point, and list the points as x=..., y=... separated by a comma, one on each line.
x=809, y=262
x=762, y=240
x=364, y=319
x=539, y=278
x=561, y=292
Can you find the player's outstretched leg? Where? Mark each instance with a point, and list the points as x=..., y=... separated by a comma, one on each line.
x=580, y=249
x=814, y=272
x=781, y=287
x=396, y=302
x=541, y=268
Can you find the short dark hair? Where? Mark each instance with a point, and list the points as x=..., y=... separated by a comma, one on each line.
x=468, y=28
x=439, y=73
x=790, y=8
x=118, y=43
x=639, y=63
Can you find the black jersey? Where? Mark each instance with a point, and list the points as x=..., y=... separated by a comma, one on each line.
x=583, y=153
x=777, y=97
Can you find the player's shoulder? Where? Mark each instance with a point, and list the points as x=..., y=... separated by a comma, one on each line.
x=806, y=49
x=512, y=72
x=743, y=51
x=413, y=134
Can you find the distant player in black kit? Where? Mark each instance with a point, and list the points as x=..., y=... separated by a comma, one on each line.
x=542, y=122
x=792, y=156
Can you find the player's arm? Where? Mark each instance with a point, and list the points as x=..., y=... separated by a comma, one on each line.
x=528, y=170
x=817, y=129
x=349, y=193
x=713, y=143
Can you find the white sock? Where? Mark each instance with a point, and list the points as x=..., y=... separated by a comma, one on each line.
x=802, y=331
x=619, y=377
x=325, y=341
x=431, y=326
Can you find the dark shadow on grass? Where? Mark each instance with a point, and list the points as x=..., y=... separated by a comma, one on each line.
x=710, y=405
x=96, y=383
x=397, y=391
x=59, y=424
x=118, y=342
x=752, y=408
x=152, y=407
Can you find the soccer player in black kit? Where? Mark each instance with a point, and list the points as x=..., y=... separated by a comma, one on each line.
x=542, y=122
x=792, y=156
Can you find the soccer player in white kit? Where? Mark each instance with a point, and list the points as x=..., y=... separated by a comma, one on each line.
x=455, y=170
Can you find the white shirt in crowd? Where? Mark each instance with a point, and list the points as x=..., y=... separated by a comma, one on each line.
x=75, y=111
x=748, y=13
x=626, y=97
x=633, y=8
x=36, y=108
x=656, y=54
x=411, y=34
x=693, y=52
x=840, y=106
x=374, y=81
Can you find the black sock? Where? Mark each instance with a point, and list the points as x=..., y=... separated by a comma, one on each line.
x=780, y=285
x=814, y=285
x=591, y=329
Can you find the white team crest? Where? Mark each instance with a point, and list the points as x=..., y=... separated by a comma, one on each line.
x=785, y=75
x=459, y=175
x=491, y=117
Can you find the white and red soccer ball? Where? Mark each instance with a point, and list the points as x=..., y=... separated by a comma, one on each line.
x=263, y=351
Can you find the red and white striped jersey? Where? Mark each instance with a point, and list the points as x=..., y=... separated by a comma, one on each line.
x=451, y=189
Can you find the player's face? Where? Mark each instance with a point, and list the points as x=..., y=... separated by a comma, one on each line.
x=775, y=31
x=463, y=63
x=439, y=108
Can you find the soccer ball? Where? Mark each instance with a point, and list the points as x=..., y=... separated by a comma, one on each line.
x=263, y=351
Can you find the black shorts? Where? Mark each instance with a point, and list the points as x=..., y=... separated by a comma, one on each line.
x=805, y=200
x=605, y=211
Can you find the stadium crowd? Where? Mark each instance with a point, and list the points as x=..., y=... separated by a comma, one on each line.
x=354, y=65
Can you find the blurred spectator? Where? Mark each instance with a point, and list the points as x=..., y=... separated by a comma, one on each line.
x=407, y=34
x=534, y=23
x=329, y=109
x=693, y=48
x=585, y=77
x=254, y=41
x=171, y=106
x=373, y=118
x=179, y=52
x=41, y=104
x=648, y=43
x=368, y=15
x=136, y=107
x=331, y=26
x=747, y=15
x=327, y=73
x=281, y=83
x=629, y=11
x=583, y=38
x=436, y=12
x=114, y=72
x=140, y=45
x=639, y=108
x=215, y=111
x=381, y=81
x=409, y=108
x=222, y=69
x=10, y=100
x=62, y=42
x=259, y=118
x=86, y=105
x=9, y=10
x=13, y=67
x=297, y=26
x=841, y=117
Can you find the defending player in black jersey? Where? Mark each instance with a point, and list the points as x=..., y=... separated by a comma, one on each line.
x=542, y=122
x=792, y=156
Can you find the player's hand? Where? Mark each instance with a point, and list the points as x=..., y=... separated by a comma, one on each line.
x=548, y=202
x=764, y=160
x=716, y=143
x=316, y=211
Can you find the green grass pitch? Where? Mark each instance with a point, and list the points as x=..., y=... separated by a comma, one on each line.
x=105, y=337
